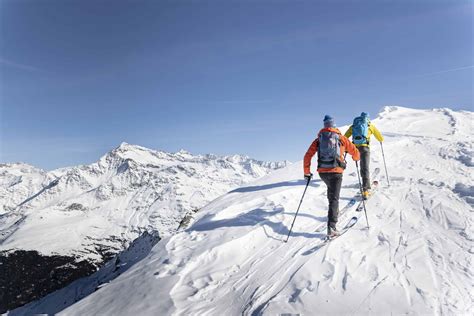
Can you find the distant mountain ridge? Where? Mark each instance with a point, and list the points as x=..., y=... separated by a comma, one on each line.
x=92, y=212
x=140, y=189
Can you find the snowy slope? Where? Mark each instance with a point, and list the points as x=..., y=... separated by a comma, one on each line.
x=415, y=259
x=95, y=210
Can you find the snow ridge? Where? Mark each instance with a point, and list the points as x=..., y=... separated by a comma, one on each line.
x=415, y=259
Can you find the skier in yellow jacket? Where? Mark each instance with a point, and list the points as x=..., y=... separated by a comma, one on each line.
x=361, y=131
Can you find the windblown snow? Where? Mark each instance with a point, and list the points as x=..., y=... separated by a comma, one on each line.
x=94, y=210
x=414, y=259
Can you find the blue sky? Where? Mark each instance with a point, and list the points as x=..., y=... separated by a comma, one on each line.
x=224, y=77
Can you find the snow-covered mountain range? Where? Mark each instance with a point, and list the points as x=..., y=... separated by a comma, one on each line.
x=416, y=258
x=92, y=212
x=130, y=190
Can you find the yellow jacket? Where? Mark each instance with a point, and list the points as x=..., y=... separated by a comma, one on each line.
x=372, y=130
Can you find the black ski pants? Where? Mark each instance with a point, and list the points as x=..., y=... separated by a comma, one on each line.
x=364, y=166
x=333, y=182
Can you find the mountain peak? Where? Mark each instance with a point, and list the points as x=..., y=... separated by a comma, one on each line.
x=124, y=145
x=183, y=152
x=127, y=146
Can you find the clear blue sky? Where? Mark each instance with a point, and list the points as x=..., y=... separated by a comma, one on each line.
x=251, y=77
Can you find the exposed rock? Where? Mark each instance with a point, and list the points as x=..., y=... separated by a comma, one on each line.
x=27, y=275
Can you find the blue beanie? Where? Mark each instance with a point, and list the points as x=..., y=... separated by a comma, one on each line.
x=364, y=114
x=328, y=121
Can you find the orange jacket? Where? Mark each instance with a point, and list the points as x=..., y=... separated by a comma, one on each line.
x=346, y=146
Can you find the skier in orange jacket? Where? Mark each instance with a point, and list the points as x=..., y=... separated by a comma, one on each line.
x=330, y=146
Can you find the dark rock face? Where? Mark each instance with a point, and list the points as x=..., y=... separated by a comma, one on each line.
x=27, y=275
x=59, y=300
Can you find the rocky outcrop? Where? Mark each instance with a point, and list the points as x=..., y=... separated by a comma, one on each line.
x=27, y=275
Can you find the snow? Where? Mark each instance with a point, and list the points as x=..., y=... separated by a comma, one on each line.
x=414, y=259
x=77, y=211
x=80, y=288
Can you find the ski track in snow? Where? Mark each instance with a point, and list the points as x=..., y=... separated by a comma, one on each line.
x=415, y=259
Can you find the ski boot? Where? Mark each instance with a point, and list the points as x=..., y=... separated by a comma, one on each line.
x=365, y=194
x=332, y=232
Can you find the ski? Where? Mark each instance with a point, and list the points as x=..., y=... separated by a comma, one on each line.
x=352, y=202
x=375, y=182
x=360, y=207
x=344, y=230
x=327, y=240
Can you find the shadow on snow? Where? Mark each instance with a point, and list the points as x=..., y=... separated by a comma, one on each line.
x=276, y=185
x=258, y=217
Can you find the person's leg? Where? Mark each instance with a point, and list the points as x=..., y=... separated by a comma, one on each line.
x=326, y=179
x=364, y=167
x=333, y=197
x=333, y=182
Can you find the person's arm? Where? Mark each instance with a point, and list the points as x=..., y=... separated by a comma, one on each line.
x=351, y=148
x=309, y=155
x=348, y=132
x=376, y=132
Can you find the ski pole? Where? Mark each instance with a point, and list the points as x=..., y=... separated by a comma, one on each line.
x=301, y=201
x=388, y=181
x=363, y=201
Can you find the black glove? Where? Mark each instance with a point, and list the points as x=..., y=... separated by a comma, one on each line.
x=308, y=176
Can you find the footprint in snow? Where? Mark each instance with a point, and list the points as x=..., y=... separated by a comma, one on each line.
x=382, y=239
x=196, y=236
x=300, y=290
x=373, y=272
x=164, y=273
x=169, y=268
x=328, y=271
x=201, y=283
